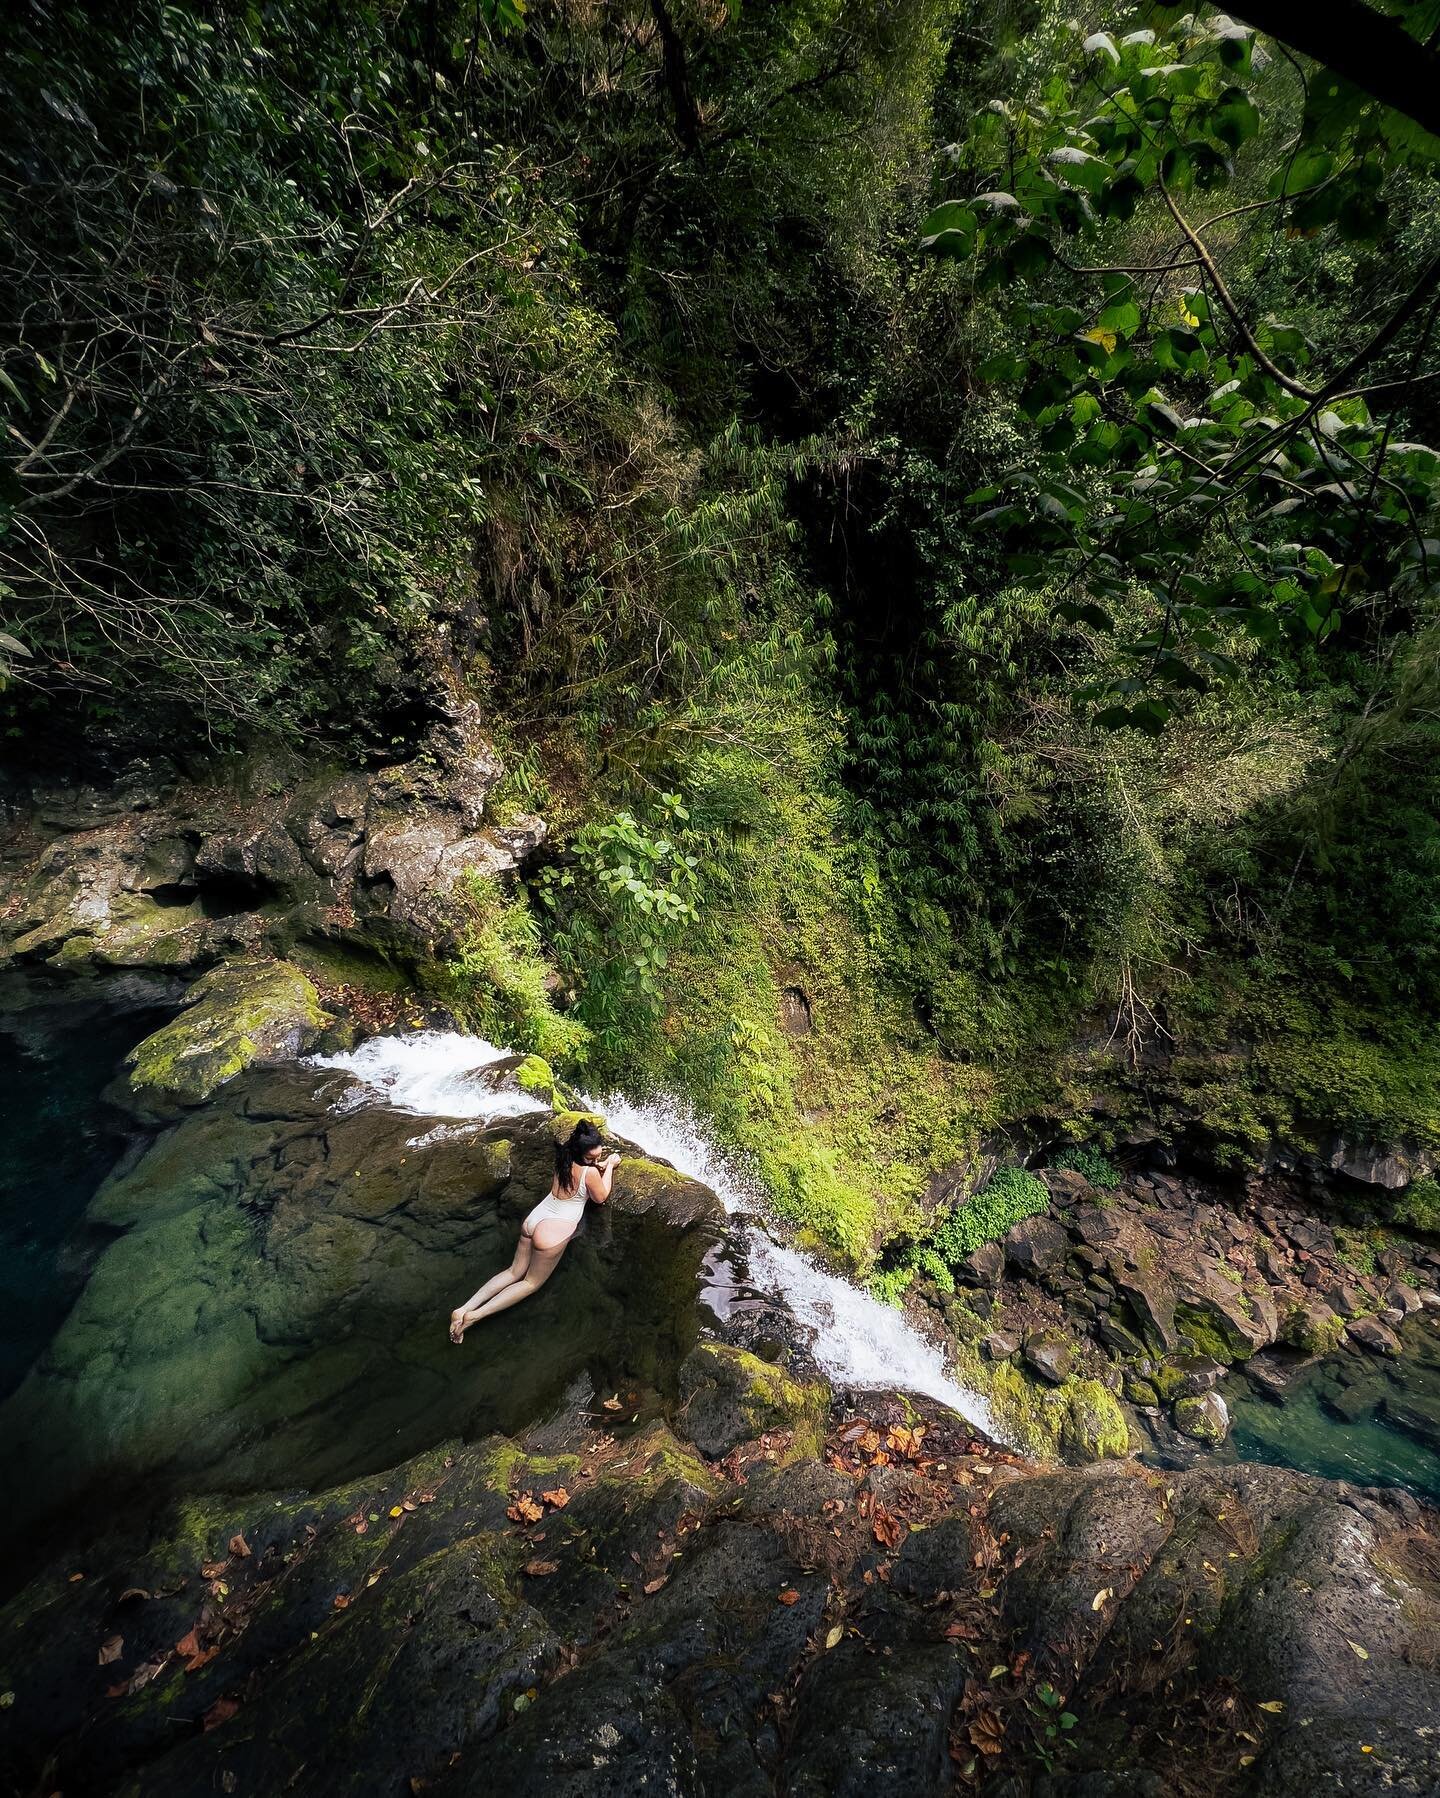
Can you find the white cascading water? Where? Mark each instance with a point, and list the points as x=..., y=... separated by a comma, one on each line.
x=857, y=1341
x=433, y=1073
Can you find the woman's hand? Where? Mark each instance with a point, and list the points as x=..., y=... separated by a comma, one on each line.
x=612, y=1160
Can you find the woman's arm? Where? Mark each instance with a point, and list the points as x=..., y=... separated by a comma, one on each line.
x=598, y=1180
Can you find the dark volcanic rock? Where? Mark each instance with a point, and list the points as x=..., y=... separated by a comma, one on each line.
x=271, y=1263
x=1196, y=1374
x=1151, y=1300
x=984, y=1266
x=1066, y=1185
x=1377, y=1338
x=408, y=1633
x=1036, y=1245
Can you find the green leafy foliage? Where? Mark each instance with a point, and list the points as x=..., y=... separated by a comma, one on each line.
x=1010, y=1194
x=1092, y=1162
x=622, y=897
x=1205, y=481
x=1418, y=1206
x=891, y=1286
x=499, y=981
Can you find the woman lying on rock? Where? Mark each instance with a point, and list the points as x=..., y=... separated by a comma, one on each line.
x=582, y=1171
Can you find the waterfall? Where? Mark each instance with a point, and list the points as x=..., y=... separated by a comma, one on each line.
x=857, y=1341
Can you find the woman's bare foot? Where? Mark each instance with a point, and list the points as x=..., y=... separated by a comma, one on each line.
x=457, y=1325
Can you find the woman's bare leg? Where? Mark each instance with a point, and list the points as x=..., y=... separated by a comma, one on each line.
x=543, y=1263
x=515, y=1271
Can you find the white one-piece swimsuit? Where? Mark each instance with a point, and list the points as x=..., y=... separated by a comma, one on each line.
x=563, y=1210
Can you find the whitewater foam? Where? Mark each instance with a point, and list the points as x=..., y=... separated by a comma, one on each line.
x=432, y=1073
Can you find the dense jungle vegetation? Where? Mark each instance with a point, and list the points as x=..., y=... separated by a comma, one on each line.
x=934, y=498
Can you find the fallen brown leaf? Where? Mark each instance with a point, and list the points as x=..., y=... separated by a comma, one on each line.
x=525, y=1509
x=613, y=1404
x=789, y=1596
x=889, y=1530
x=540, y=1569
x=132, y=1592
x=188, y=1645
x=655, y=1584
x=111, y=1650
x=239, y=1546
x=341, y=1601
x=905, y=1441
x=212, y=1569
x=557, y=1498
x=987, y=1732
x=221, y=1711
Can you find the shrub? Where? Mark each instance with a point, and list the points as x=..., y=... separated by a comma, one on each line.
x=1418, y=1207
x=1086, y=1159
x=932, y=1265
x=890, y=1286
x=1011, y=1194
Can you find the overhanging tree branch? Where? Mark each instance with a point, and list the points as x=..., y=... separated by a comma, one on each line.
x=1369, y=48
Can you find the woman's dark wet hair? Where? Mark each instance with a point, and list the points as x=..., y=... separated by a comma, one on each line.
x=583, y=1140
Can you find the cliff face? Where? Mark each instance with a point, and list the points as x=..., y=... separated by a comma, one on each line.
x=171, y=875
x=250, y=895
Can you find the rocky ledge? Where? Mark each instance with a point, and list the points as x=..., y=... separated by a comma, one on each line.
x=1158, y=1289
x=270, y=1282
x=768, y=1594
x=160, y=878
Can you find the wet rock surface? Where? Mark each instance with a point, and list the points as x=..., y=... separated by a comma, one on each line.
x=1165, y=1287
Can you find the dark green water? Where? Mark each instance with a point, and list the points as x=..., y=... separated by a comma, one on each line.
x=1355, y=1417
x=57, y=1142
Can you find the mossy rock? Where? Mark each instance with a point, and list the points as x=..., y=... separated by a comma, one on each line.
x=565, y=1123
x=233, y=1016
x=1093, y=1427
x=731, y=1396
x=1313, y=1328
x=1080, y=1418
x=534, y=1075
x=1204, y=1419
x=644, y=1186
x=1213, y=1332
x=1167, y=1380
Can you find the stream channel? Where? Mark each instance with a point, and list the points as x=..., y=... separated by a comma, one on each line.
x=219, y=1358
